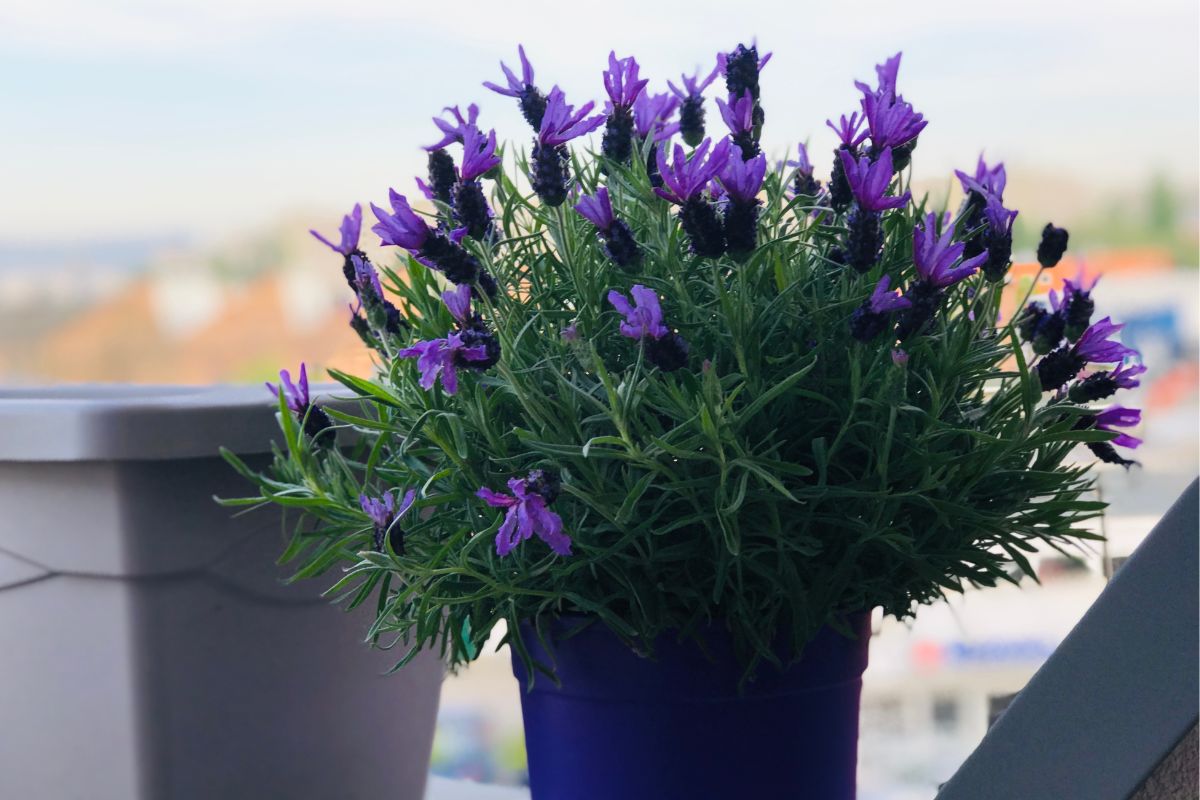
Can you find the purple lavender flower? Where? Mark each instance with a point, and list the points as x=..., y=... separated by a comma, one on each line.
x=869, y=181
x=986, y=180
x=741, y=69
x=616, y=238
x=383, y=514
x=886, y=73
x=570, y=333
x=739, y=117
x=643, y=323
x=892, y=123
x=684, y=184
x=848, y=131
x=1120, y=417
x=691, y=110
x=443, y=177
x=533, y=104
x=803, y=183
x=527, y=513
x=404, y=228
x=315, y=421
x=621, y=81
x=623, y=86
x=1095, y=347
x=1056, y=368
x=934, y=256
x=458, y=303
x=687, y=177
x=479, y=153
x=1077, y=305
x=596, y=210
x=442, y=358
x=471, y=210
x=560, y=124
x=874, y=315
x=996, y=238
x=1100, y=385
x=1112, y=420
x=349, y=232
x=401, y=228
x=1043, y=329
x=644, y=317
x=742, y=181
x=651, y=113
x=1052, y=246
x=455, y=131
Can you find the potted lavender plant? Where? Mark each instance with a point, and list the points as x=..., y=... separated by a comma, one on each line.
x=681, y=419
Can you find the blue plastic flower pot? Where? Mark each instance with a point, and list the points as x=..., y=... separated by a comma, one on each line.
x=624, y=727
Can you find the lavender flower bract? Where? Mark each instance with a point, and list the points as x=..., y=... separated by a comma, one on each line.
x=873, y=316
x=533, y=104
x=615, y=236
x=644, y=323
x=684, y=182
x=317, y=424
x=742, y=181
x=691, y=109
x=623, y=86
x=1056, y=368
x=348, y=233
x=383, y=514
x=739, y=117
x=560, y=124
x=527, y=514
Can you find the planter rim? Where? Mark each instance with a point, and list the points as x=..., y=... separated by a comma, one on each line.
x=132, y=422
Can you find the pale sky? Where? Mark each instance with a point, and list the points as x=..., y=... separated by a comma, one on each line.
x=209, y=117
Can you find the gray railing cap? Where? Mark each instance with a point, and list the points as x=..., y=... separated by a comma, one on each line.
x=122, y=422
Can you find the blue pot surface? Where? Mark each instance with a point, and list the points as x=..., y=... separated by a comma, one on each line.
x=624, y=727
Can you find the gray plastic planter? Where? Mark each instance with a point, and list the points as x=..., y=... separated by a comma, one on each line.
x=148, y=647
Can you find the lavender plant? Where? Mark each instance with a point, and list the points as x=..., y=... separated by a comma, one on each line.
x=704, y=390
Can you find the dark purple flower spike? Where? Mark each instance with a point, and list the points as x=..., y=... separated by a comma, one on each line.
x=1052, y=246
x=738, y=114
x=939, y=263
x=1100, y=385
x=1060, y=366
x=996, y=238
x=616, y=239
x=741, y=69
x=803, y=183
x=684, y=182
x=742, y=181
x=550, y=160
x=644, y=323
x=527, y=513
x=691, y=109
x=891, y=121
x=849, y=132
x=533, y=103
x=874, y=316
x=1077, y=305
x=623, y=86
x=384, y=517
x=868, y=181
x=404, y=228
x=1112, y=420
x=471, y=210
x=317, y=424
